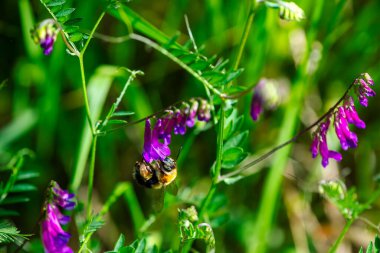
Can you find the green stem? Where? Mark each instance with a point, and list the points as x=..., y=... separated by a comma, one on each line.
x=341, y=236
x=218, y=164
x=92, y=33
x=91, y=173
x=244, y=37
x=84, y=88
x=178, y=61
x=186, y=246
x=119, y=191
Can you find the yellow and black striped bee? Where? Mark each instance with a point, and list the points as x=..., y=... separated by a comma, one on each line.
x=157, y=174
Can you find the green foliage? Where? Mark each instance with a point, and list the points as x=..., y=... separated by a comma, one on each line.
x=346, y=201
x=287, y=10
x=135, y=247
x=12, y=187
x=373, y=247
x=211, y=71
x=62, y=15
x=190, y=229
x=10, y=234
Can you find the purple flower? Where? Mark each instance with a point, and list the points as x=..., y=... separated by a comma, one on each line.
x=268, y=94
x=347, y=138
x=45, y=35
x=204, y=112
x=153, y=148
x=54, y=238
x=320, y=144
x=62, y=197
x=180, y=124
x=165, y=127
x=176, y=120
x=364, y=91
x=192, y=113
x=257, y=104
x=367, y=78
x=351, y=114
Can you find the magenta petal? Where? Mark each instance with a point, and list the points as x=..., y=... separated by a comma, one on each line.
x=256, y=106
x=314, y=146
x=335, y=155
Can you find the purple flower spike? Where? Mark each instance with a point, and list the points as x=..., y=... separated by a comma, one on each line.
x=54, y=238
x=320, y=142
x=193, y=113
x=62, y=197
x=256, y=105
x=181, y=119
x=153, y=148
x=351, y=114
x=367, y=78
x=204, y=113
x=364, y=91
x=347, y=138
x=45, y=35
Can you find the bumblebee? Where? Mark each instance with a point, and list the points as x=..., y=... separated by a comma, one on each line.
x=157, y=174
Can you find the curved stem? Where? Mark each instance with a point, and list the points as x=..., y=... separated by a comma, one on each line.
x=176, y=60
x=84, y=88
x=92, y=33
x=68, y=44
x=295, y=138
x=244, y=37
x=91, y=177
x=341, y=236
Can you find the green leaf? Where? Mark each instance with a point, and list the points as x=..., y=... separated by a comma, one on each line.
x=8, y=213
x=117, y=121
x=72, y=21
x=122, y=114
x=14, y=200
x=120, y=242
x=232, y=180
x=23, y=175
x=236, y=140
x=141, y=245
x=23, y=188
x=65, y=12
x=75, y=37
x=71, y=29
x=127, y=249
x=9, y=233
x=232, y=157
x=361, y=250
x=369, y=248
x=55, y=3
x=377, y=244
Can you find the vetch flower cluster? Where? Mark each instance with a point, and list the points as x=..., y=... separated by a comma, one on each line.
x=343, y=116
x=54, y=238
x=176, y=120
x=268, y=93
x=45, y=35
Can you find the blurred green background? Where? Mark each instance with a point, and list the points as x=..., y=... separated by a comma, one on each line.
x=41, y=108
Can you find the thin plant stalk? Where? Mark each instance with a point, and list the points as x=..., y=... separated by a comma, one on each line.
x=91, y=177
x=185, y=247
x=85, y=96
x=341, y=236
x=246, y=31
